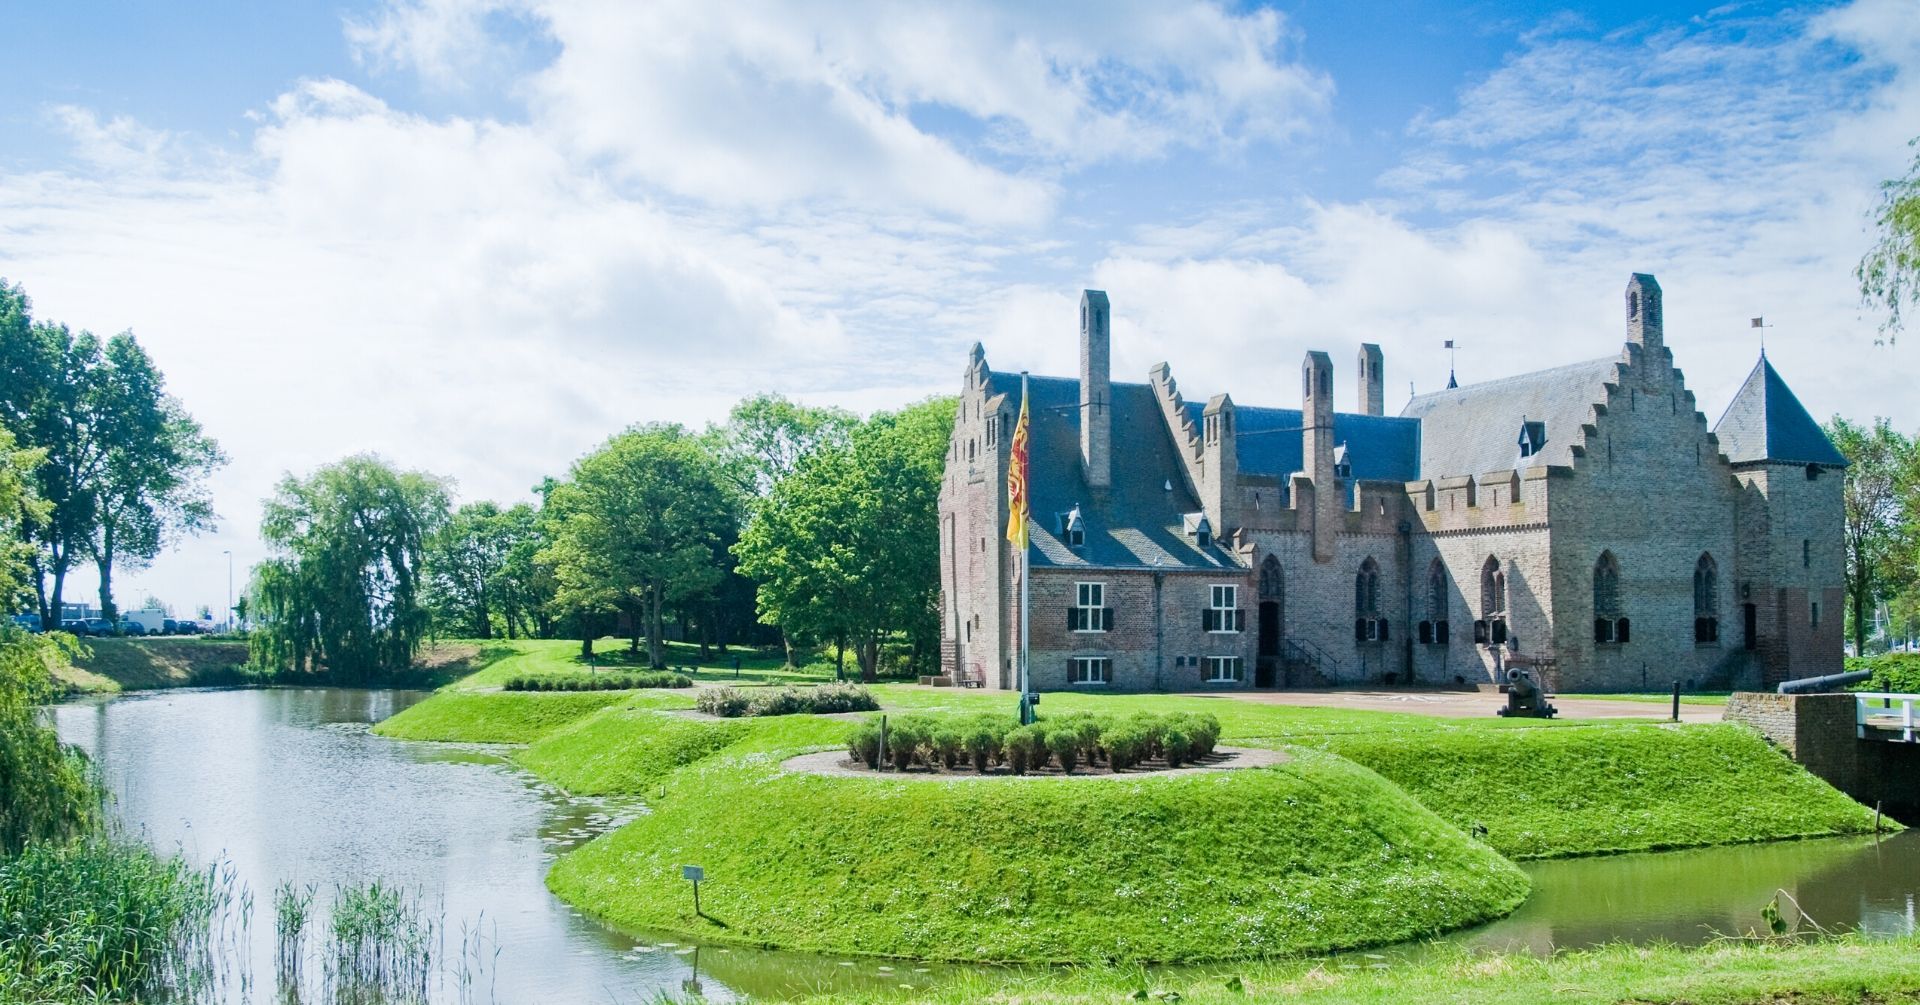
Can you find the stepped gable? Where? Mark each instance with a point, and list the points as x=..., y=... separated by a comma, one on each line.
x=1268, y=442
x=1765, y=422
x=1474, y=429
x=1136, y=523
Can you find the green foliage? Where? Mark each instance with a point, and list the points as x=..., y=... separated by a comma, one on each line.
x=847, y=547
x=46, y=791
x=342, y=590
x=479, y=567
x=1543, y=793
x=1896, y=672
x=824, y=699
x=125, y=466
x=598, y=682
x=1889, y=273
x=638, y=525
x=1882, y=502
x=627, y=749
x=1305, y=857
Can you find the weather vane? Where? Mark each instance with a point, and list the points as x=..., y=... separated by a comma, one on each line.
x=1451, y=382
x=1761, y=323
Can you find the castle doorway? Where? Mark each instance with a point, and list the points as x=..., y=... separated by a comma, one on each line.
x=1266, y=668
x=1750, y=624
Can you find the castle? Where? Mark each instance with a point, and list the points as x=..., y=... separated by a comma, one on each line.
x=1582, y=520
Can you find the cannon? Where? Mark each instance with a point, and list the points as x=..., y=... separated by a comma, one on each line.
x=1525, y=697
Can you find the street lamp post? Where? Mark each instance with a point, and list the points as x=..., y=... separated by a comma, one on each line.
x=229, y=554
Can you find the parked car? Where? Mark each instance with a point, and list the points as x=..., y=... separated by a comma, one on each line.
x=101, y=626
x=77, y=626
x=149, y=621
x=30, y=622
x=170, y=627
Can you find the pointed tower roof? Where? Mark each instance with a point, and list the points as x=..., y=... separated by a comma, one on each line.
x=1765, y=422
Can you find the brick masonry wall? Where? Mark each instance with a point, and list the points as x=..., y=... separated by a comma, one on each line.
x=1818, y=731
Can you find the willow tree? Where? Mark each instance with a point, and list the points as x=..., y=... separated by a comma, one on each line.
x=1889, y=273
x=341, y=590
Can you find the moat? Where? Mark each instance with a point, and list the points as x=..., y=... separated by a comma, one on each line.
x=288, y=784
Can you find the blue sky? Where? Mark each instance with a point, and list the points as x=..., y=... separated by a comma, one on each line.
x=478, y=236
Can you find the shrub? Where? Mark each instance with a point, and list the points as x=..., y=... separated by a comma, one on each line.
x=1897, y=672
x=829, y=698
x=1126, y=745
x=598, y=682
x=785, y=701
x=945, y=743
x=1063, y=742
x=1202, y=729
x=904, y=740
x=726, y=702
x=1023, y=746
x=983, y=742
x=863, y=744
x=1176, y=745
x=1154, y=727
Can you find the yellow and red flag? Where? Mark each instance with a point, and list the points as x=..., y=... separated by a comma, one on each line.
x=1017, y=504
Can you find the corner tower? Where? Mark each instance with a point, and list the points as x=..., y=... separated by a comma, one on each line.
x=1644, y=324
x=1316, y=449
x=1373, y=380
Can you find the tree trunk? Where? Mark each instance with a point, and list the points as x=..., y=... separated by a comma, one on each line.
x=840, y=654
x=869, y=657
x=706, y=645
x=656, y=647
x=786, y=643
x=586, y=643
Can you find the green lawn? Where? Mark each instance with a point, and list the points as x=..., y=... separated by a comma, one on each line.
x=1544, y=793
x=561, y=658
x=1846, y=971
x=1303, y=857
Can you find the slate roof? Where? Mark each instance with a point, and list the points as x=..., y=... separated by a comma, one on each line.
x=1139, y=521
x=1475, y=429
x=1765, y=422
x=1269, y=442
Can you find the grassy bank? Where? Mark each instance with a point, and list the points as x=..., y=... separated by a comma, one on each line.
x=1848, y=971
x=561, y=658
x=110, y=665
x=627, y=747
x=1542, y=793
x=498, y=717
x=1306, y=856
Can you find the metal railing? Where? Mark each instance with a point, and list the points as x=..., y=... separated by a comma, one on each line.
x=1893, y=714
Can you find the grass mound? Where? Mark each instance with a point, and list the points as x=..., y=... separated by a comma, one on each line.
x=1543, y=793
x=139, y=664
x=502, y=717
x=1309, y=856
x=625, y=748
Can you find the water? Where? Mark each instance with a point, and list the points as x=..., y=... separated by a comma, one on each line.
x=288, y=784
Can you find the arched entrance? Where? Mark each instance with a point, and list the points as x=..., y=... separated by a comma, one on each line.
x=1266, y=668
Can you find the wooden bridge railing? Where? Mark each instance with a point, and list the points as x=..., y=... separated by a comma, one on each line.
x=1884, y=713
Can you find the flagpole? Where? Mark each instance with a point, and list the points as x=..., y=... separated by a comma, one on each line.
x=1026, y=549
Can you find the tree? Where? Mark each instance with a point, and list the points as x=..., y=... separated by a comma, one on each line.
x=847, y=547
x=152, y=484
x=45, y=790
x=1889, y=273
x=768, y=436
x=1879, y=461
x=636, y=526
x=125, y=464
x=341, y=591
x=464, y=560
x=522, y=588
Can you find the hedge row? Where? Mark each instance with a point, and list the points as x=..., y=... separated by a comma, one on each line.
x=1898, y=672
x=599, y=682
x=985, y=740
x=732, y=703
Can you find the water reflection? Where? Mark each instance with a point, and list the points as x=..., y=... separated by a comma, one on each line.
x=289, y=785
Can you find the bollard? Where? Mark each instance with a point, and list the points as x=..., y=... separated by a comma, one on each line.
x=1676, y=701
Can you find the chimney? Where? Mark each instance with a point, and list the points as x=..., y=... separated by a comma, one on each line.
x=1096, y=397
x=1219, y=465
x=1643, y=312
x=1373, y=380
x=1316, y=415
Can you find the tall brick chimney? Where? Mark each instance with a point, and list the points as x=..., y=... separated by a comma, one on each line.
x=1316, y=415
x=1373, y=380
x=1643, y=312
x=1096, y=391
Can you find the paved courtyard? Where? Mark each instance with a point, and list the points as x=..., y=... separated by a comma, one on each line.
x=1466, y=704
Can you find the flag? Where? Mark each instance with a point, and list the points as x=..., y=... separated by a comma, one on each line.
x=1017, y=504
x=1449, y=343
x=1759, y=322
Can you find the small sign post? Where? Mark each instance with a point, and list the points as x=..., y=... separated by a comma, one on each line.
x=694, y=874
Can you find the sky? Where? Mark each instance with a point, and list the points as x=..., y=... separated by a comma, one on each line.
x=478, y=237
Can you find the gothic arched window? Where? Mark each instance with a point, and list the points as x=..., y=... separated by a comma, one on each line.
x=1491, y=628
x=1706, y=600
x=1368, y=625
x=1434, y=629
x=1610, y=624
x=1273, y=583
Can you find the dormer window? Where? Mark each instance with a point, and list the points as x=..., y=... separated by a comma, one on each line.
x=1199, y=529
x=1533, y=436
x=1073, y=528
x=1342, y=466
